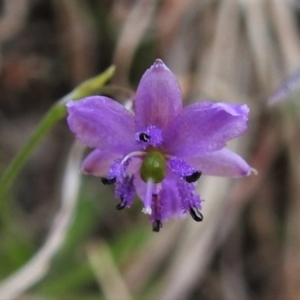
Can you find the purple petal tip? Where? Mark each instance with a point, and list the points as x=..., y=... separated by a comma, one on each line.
x=159, y=65
x=158, y=98
x=247, y=171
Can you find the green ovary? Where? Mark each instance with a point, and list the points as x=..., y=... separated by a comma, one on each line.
x=153, y=167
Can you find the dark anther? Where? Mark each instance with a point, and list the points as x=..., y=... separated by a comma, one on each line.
x=193, y=177
x=144, y=137
x=156, y=225
x=107, y=181
x=196, y=214
x=121, y=205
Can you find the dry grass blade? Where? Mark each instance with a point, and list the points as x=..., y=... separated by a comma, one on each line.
x=285, y=28
x=170, y=26
x=78, y=39
x=39, y=265
x=106, y=272
x=131, y=36
x=259, y=37
x=151, y=257
x=292, y=241
x=232, y=267
x=14, y=17
x=224, y=44
x=287, y=34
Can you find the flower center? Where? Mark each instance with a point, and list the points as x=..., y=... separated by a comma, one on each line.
x=153, y=167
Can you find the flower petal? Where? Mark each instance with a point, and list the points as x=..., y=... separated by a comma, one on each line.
x=158, y=97
x=98, y=162
x=100, y=122
x=169, y=200
x=220, y=163
x=204, y=127
x=172, y=206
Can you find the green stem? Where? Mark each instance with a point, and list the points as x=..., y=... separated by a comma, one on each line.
x=56, y=113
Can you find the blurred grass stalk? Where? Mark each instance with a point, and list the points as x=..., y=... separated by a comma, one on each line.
x=56, y=113
x=37, y=267
x=106, y=271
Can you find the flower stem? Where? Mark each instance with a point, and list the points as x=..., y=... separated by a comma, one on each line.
x=56, y=113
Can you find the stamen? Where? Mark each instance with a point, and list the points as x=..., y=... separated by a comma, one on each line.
x=180, y=167
x=108, y=181
x=156, y=225
x=122, y=204
x=190, y=202
x=148, y=199
x=133, y=154
x=151, y=136
x=144, y=137
x=193, y=177
x=196, y=214
x=157, y=212
x=125, y=192
x=118, y=169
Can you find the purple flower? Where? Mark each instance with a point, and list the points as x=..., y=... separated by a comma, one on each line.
x=159, y=151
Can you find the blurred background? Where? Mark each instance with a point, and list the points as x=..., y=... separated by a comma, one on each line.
x=60, y=235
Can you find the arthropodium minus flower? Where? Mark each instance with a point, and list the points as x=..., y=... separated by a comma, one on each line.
x=159, y=151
